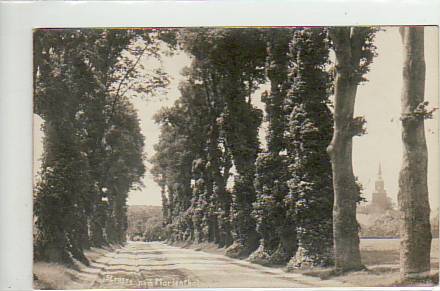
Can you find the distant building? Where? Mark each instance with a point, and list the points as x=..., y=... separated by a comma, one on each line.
x=380, y=202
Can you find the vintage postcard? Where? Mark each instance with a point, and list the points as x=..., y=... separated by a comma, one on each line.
x=219, y=157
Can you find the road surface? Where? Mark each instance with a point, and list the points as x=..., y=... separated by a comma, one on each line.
x=157, y=265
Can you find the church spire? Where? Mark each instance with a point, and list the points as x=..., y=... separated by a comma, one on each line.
x=380, y=200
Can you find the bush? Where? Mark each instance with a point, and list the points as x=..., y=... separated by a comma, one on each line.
x=385, y=225
x=154, y=230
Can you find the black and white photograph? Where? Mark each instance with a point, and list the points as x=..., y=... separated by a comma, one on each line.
x=235, y=157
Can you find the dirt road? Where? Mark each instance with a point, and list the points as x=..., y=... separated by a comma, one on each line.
x=157, y=265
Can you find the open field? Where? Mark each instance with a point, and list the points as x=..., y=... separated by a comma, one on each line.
x=386, y=251
x=381, y=258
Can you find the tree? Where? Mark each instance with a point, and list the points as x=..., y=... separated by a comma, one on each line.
x=124, y=163
x=239, y=59
x=310, y=128
x=62, y=200
x=354, y=52
x=276, y=228
x=415, y=233
x=81, y=79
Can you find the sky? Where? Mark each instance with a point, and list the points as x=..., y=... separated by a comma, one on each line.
x=378, y=100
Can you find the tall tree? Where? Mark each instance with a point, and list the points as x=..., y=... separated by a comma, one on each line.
x=216, y=159
x=124, y=163
x=62, y=199
x=354, y=52
x=239, y=58
x=310, y=131
x=277, y=231
x=415, y=230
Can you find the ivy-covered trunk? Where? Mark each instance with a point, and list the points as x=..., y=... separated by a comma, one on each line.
x=97, y=224
x=219, y=159
x=277, y=229
x=224, y=199
x=50, y=242
x=62, y=193
x=59, y=194
x=309, y=133
x=241, y=125
x=216, y=188
x=98, y=215
x=415, y=229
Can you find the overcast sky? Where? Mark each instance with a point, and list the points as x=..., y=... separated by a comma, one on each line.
x=378, y=100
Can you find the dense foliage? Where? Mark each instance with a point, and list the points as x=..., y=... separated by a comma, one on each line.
x=93, y=147
x=309, y=133
x=145, y=223
x=215, y=127
x=275, y=225
x=211, y=135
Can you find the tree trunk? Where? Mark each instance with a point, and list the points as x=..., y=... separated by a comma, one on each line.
x=347, y=44
x=97, y=224
x=415, y=233
x=345, y=226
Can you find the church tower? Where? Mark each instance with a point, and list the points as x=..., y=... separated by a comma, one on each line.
x=379, y=202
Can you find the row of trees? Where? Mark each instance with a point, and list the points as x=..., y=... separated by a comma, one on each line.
x=296, y=199
x=281, y=197
x=292, y=201
x=93, y=146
